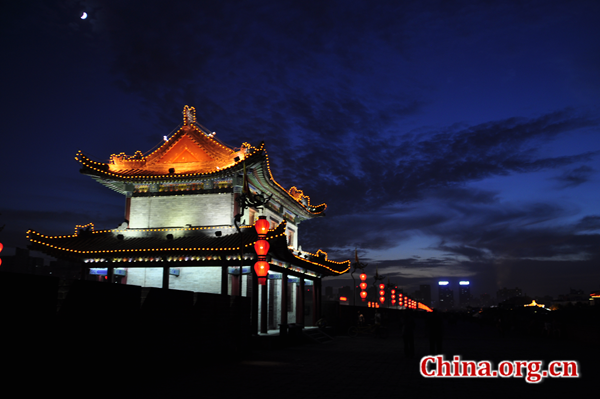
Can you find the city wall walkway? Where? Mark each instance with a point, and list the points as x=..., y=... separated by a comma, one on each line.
x=369, y=367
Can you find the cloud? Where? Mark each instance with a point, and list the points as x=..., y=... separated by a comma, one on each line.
x=386, y=169
x=575, y=177
x=588, y=223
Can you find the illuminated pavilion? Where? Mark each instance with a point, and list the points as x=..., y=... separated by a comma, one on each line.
x=180, y=226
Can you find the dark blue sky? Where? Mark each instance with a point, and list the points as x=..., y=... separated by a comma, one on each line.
x=450, y=139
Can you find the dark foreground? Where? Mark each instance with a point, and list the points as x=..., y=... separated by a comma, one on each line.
x=363, y=367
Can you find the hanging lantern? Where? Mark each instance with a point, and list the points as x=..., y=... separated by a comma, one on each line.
x=363, y=295
x=363, y=277
x=262, y=269
x=393, y=292
x=262, y=226
x=261, y=247
x=381, y=286
x=363, y=286
x=382, y=299
x=382, y=293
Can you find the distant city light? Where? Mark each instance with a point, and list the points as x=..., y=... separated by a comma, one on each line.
x=464, y=283
x=443, y=283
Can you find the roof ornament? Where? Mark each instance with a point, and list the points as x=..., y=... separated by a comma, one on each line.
x=247, y=199
x=189, y=115
x=299, y=196
x=377, y=277
x=357, y=265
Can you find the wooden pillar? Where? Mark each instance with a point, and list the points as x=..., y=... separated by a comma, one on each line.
x=264, y=309
x=271, y=303
x=110, y=274
x=254, y=296
x=317, y=283
x=314, y=304
x=300, y=302
x=165, y=278
x=236, y=285
x=224, y=280
x=284, y=304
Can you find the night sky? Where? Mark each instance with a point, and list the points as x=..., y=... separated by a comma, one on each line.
x=450, y=139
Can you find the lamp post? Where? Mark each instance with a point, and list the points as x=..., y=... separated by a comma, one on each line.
x=363, y=286
x=360, y=266
x=382, y=293
x=261, y=267
x=261, y=246
x=377, y=278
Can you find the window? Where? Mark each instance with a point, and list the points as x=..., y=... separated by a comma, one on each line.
x=274, y=222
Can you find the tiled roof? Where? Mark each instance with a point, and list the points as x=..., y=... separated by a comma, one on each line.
x=195, y=245
x=133, y=170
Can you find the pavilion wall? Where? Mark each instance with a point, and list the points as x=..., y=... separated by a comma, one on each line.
x=180, y=210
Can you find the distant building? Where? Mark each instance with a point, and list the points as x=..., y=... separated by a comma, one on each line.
x=464, y=294
x=507, y=293
x=595, y=298
x=574, y=295
x=329, y=292
x=485, y=300
x=23, y=262
x=345, y=291
x=445, y=296
x=425, y=294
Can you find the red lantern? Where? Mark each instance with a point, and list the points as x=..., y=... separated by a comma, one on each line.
x=261, y=247
x=393, y=292
x=381, y=286
x=363, y=295
x=262, y=269
x=381, y=293
x=382, y=299
x=363, y=286
x=262, y=226
x=363, y=277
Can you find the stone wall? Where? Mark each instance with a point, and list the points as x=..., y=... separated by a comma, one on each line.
x=180, y=210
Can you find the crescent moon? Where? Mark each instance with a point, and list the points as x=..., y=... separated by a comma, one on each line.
x=84, y=15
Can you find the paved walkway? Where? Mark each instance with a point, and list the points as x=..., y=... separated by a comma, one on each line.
x=366, y=367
